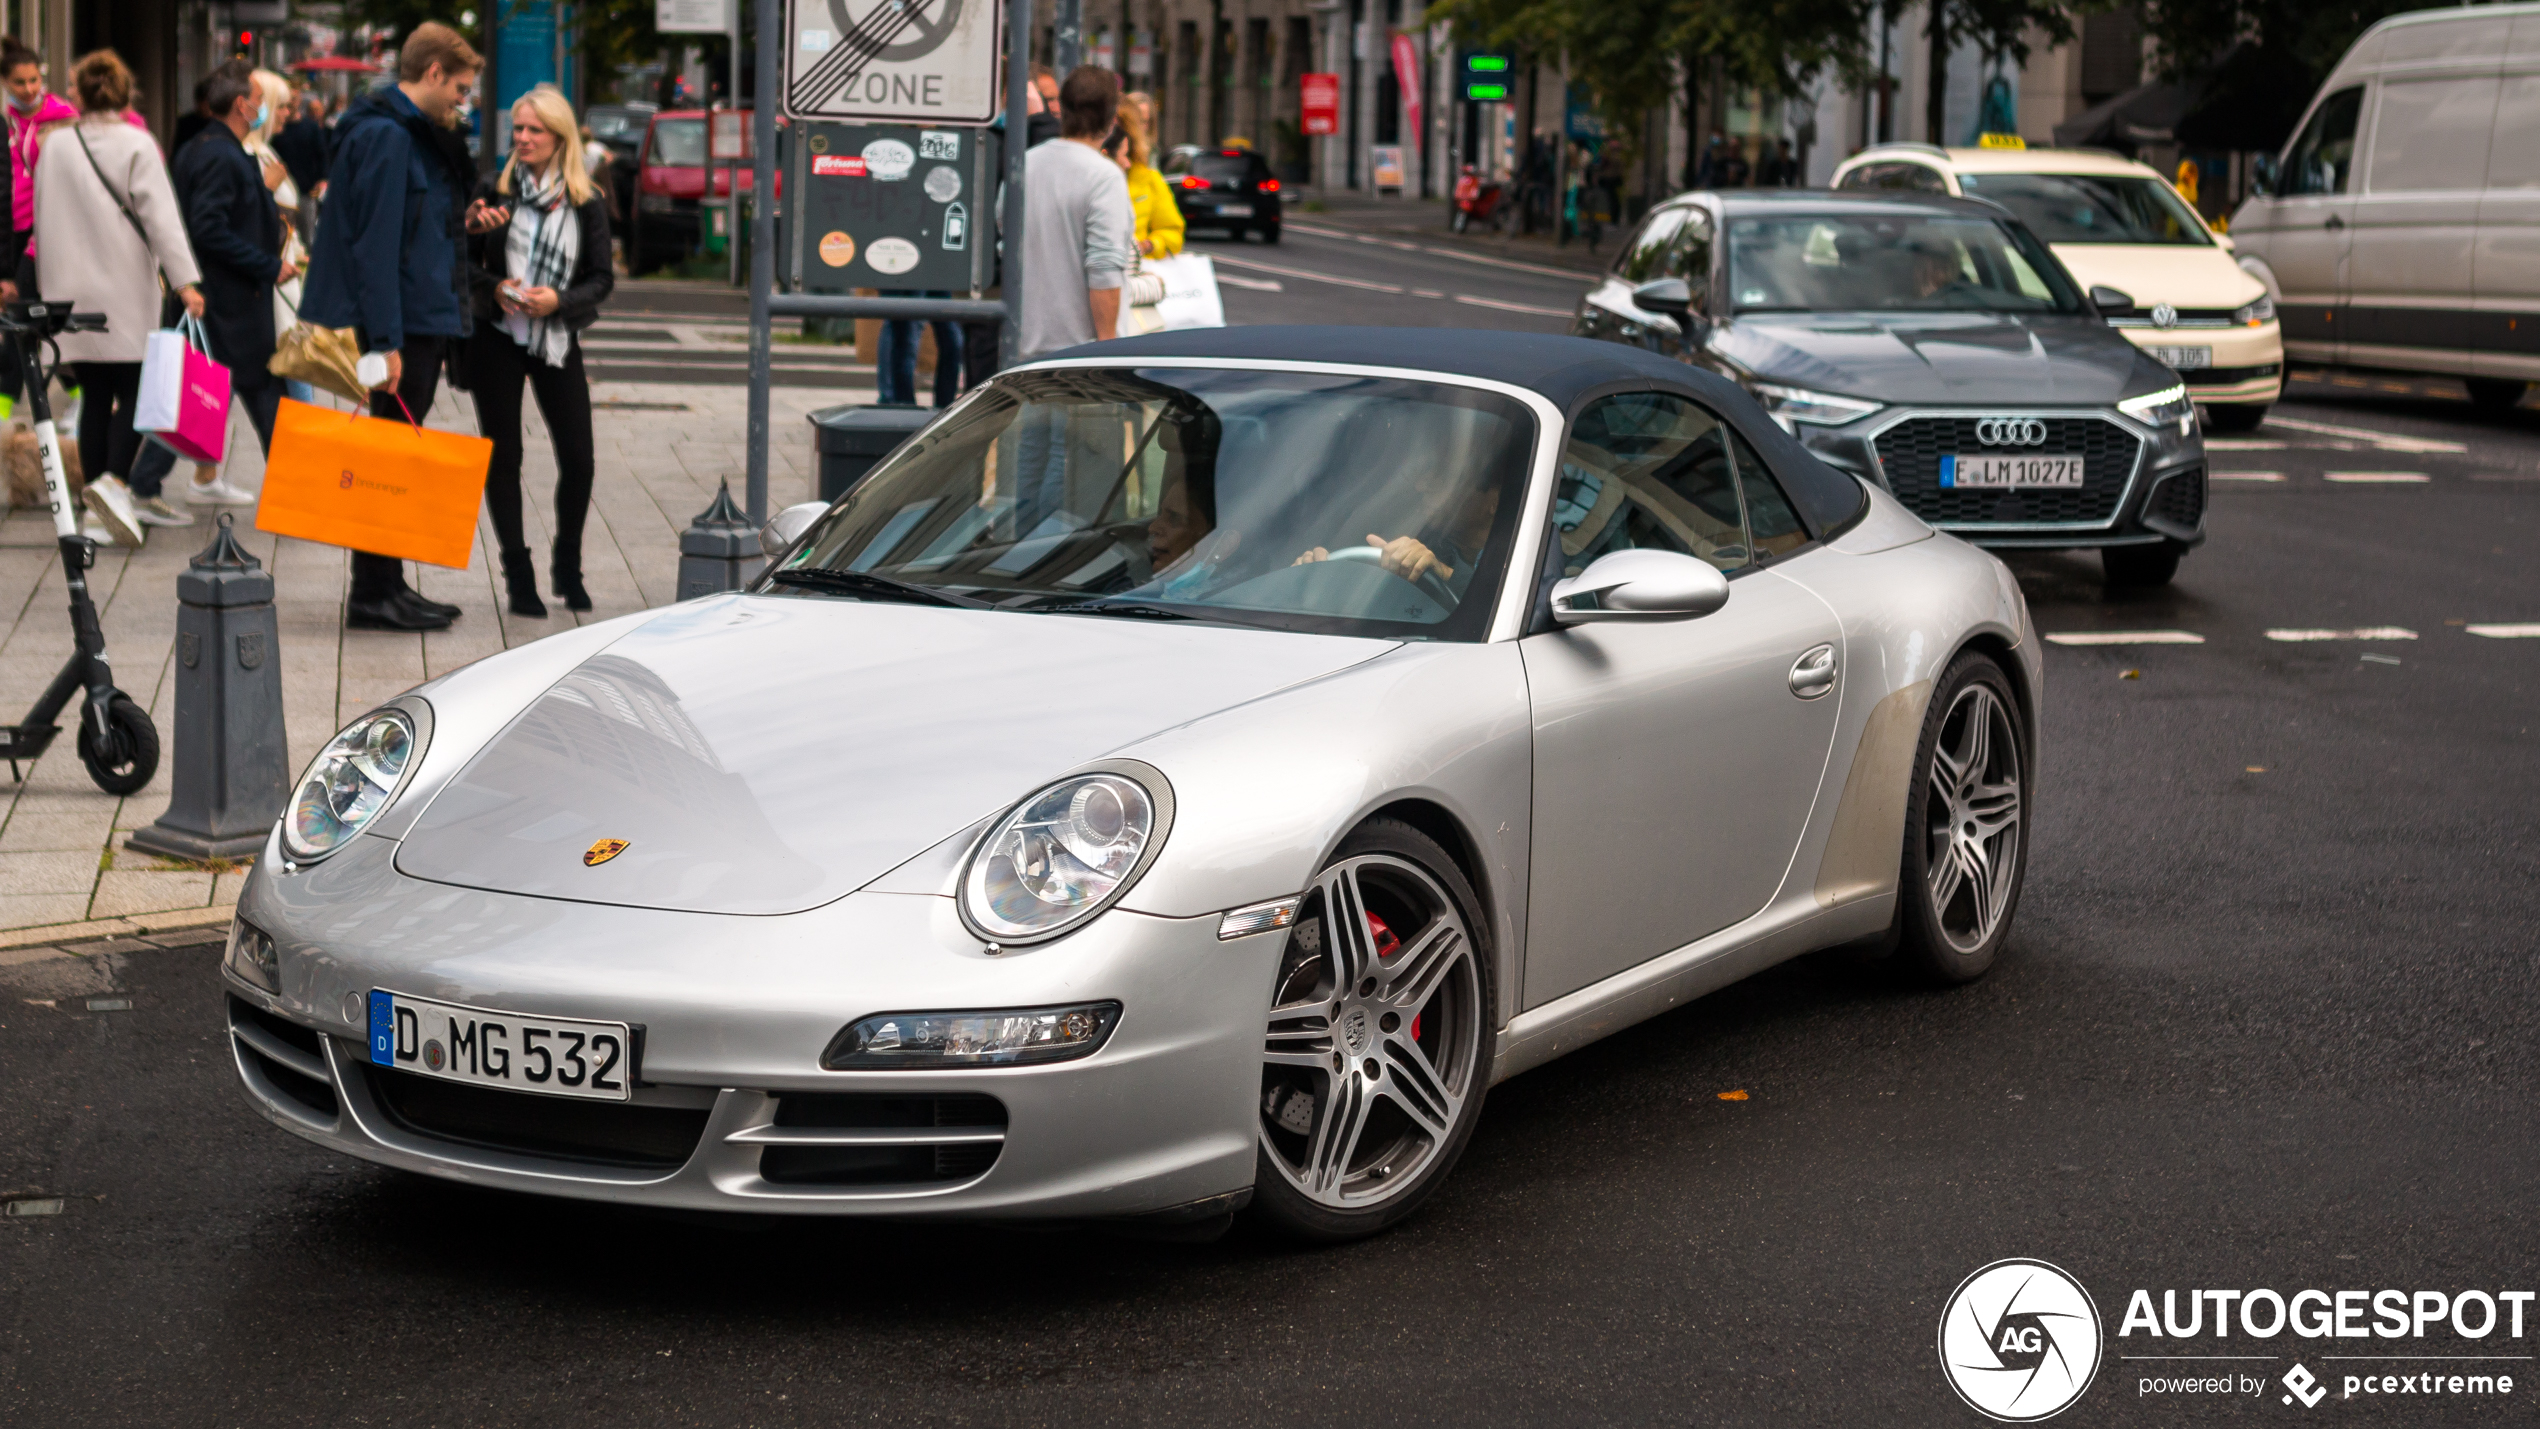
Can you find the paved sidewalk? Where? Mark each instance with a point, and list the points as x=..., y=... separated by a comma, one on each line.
x=64, y=874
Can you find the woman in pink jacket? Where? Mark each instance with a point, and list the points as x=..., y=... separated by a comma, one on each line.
x=31, y=111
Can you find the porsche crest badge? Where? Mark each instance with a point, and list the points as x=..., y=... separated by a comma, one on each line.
x=601, y=852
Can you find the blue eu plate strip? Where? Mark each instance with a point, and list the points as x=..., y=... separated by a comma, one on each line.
x=383, y=1028
x=1948, y=471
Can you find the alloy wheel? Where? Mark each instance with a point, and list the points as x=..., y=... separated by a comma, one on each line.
x=1973, y=817
x=1374, y=1034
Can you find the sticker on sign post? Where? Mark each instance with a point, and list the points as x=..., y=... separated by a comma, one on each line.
x=956, y=228
x=904, y=61
x=891, y=255
x=889, y=159
x=943, y=183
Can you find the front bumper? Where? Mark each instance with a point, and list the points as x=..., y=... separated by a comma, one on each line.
x=2247, y=363
x=735, y=1012
x=2143, y=484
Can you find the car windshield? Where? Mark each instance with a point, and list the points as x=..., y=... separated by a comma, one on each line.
x=1850, y=262
x=1289, y=500
x=679, y=144
x=2093, y=208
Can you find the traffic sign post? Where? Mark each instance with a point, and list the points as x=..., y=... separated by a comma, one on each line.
x=1487, y=78
x=903, y=61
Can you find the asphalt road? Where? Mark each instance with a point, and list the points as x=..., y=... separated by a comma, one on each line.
x=2268, y=1019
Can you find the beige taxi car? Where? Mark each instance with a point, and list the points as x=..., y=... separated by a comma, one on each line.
x=2157, y=272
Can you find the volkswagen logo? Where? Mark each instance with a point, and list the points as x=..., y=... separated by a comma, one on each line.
x=2163, y=315
x=2010, y=431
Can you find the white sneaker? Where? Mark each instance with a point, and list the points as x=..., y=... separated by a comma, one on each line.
x=217, y=491
x=155, y=511
x=111, y=500
x=95, y=531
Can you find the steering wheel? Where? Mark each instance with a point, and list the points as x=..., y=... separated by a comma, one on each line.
x=1427, y=580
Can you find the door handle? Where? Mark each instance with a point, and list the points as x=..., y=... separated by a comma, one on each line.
x=1813, y=673
x=2335, y=222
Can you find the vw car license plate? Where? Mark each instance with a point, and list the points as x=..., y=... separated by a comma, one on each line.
x=485, y=1048
x=1963, y=473
x=2183, y=359
x=1234, y=210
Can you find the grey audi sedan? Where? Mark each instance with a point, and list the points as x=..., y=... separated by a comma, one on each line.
x=1182, y=779
x=1933, y=346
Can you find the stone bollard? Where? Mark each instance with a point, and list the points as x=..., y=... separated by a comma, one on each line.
x=233, y=770
x=719, y=550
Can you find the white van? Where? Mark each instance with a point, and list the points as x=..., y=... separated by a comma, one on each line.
x=2117, y=224
x=2402, y=228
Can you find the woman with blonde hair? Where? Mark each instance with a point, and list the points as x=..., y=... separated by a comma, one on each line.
x=274, y=114
x=1160, y=227
x=538, y=257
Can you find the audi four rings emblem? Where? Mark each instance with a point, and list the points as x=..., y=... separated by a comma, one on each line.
x=2011, y=431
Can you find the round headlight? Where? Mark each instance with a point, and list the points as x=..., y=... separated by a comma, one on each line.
x=347, y=785
x=1060, y=857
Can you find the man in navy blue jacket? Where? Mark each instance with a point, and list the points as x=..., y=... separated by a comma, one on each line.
x=389, y=263
x=236, y=230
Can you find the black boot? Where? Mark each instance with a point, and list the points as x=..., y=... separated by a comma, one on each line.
x=520, y=574
x=569, y=588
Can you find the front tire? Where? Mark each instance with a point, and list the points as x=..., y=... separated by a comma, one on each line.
x=1379, y=1040
x=124, y=763
x=2140, y=567
x=1966, y=825
x=2236, y=416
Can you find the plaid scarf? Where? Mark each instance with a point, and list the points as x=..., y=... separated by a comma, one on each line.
x=539, y=252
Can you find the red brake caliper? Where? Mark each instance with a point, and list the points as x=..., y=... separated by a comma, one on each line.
x=1388, y=943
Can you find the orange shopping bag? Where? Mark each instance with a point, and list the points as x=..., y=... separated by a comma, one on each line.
x=373, y=484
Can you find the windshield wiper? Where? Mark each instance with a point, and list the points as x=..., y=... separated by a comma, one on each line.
x=864, y=583
x=1134, y=610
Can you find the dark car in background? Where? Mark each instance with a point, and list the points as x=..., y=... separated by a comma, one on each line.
x=621, y=127
x=1931, y=345
x=1231, y=189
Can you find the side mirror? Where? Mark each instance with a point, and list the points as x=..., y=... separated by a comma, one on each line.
x=2262, y=176
x=1673, y=297
x=1639, y=585
x=786, y=525
x=2111, y=300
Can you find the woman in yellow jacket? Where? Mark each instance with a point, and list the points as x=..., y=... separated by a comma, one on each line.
x=1159, y=216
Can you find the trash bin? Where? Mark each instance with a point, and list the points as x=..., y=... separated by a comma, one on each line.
x=854, y=438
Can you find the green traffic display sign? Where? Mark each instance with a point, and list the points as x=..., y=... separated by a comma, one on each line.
x=1485, y=78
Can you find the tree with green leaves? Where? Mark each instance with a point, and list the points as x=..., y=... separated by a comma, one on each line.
x=2001, y=31
x=2259, y=60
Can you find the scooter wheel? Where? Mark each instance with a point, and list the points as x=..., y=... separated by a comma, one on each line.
x=131, y=755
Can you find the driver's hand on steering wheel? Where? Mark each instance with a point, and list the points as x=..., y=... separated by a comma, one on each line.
x=1404, y=556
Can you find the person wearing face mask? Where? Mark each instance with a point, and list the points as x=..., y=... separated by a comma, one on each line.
x=31, y=111
x=238, y=235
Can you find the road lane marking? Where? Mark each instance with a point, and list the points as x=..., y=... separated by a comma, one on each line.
x=1426, y=293
x=1512, y=307
x=2380, y=659
x=2379, y=478
x=1258, y=285
x=1224, y=262
x=1575, y=274
x=2505, y=632
x=2248, y=476
x=2125, y=637
x=2366, y=632
x=2243, y=444
x=2389, y=441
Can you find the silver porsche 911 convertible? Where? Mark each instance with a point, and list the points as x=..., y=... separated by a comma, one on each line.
x=1182, y=779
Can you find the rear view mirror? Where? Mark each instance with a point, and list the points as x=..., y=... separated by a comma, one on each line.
x=1639, y=585
x=782, y=529
x=2111, y=300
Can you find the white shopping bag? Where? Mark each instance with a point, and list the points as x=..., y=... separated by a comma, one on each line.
x=1190, y=291
x=162, y=398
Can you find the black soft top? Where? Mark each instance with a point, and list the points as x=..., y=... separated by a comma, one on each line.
x=1565, y=370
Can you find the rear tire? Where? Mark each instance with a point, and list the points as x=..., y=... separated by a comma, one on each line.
x=1379, y=1043
x=2236, y=416
x=1966, y=814
x=2139, y=567
x=1270, y=234
x=130, y=756
x=2495, y=394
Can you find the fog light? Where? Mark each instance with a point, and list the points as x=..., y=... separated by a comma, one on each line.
x=934, y=1040
x=252, y=958
x=1258, y=918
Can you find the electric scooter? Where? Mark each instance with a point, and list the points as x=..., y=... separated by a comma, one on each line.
x=116, y=739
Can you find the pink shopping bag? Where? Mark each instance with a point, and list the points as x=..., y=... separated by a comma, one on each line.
x=184, y=398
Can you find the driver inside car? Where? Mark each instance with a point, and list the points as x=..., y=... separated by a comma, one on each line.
x=1447, y=551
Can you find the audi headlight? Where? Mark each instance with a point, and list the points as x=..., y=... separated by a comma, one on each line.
x=2170, y=404
x=350, y=781
x=1798, y=404
x=2261, y=311
x=1062, y=856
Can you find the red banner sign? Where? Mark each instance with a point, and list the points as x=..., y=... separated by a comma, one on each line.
x=1406, y=73
x=1321, y=96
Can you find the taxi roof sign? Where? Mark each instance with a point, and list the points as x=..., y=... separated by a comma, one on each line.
x=2000, y=141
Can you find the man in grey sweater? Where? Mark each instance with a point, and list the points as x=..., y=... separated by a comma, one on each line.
x=1078, y=228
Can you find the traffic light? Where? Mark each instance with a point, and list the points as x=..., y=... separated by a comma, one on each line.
x=243, y=42
x=1486, y=78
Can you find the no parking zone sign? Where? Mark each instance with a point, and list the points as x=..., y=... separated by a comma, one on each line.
x=904, y=61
